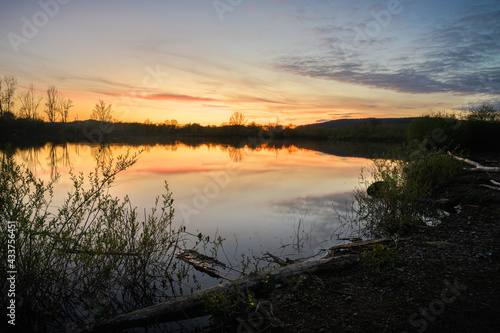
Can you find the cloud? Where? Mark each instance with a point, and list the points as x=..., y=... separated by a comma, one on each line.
x=459, y=55
x=175, y=97
x=215, y=106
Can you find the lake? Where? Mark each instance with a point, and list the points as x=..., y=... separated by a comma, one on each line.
x=278, y=197
x=281, y=197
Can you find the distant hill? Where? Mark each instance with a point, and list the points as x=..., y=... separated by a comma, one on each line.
x=339, y=123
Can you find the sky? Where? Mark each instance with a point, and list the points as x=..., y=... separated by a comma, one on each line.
x=198, y=61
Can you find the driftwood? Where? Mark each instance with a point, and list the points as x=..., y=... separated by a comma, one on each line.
x=477, y=166
x=358, y=244
x=496, y=187
x=202, y=263
x=191, y=306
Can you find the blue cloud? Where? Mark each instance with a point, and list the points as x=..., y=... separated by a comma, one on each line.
x=456, y=52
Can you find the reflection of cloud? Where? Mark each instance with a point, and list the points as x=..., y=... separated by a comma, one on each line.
x=323, y=207
x=318, y=215
x=174, y=170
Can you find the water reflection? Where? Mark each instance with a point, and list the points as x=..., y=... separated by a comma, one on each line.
x=235, y=154
x=260, y=195
x=58, y=156
x=101, y=153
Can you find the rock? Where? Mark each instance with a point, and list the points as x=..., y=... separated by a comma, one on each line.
x=375, y=189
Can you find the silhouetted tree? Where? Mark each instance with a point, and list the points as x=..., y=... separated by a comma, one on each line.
x=7, y=88
x=237, y=118
x=102, y=112
x=51, y=106
x=29, y=103
x=64, y=105
x=484, y=112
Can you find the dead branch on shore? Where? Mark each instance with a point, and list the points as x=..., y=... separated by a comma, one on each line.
x=477, y=166
x=495, y=188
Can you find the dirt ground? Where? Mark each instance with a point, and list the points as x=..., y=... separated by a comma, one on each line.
x=442, y=279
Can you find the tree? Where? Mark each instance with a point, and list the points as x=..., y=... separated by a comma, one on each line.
x=52, y=105
x=64, y=105
x=237, y=118
x=484, y=112
x=29, y=103
x=7, y=88
x=102, y=112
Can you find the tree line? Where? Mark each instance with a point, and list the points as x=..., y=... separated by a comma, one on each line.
x=479, y=124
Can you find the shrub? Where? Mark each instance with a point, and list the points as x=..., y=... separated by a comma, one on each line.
x=91, y=259
x=378, y=257
x=409, y=186
x=225, y=306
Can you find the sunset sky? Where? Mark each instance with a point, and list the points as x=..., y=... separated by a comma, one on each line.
x=293, y=61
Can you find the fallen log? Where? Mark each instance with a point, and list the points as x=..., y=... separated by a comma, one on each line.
x=191, y=306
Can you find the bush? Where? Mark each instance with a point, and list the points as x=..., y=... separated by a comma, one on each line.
x=479, y=128
x=379, y=257
x=406, y=197
x=93, y=258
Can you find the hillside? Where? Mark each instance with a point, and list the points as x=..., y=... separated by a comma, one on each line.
x=339, y=123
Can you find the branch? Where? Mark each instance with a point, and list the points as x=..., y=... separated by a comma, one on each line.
x=478, y=167
x=490, y=187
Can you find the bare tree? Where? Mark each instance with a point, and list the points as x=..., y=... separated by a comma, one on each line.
x=52, y=105
x=7, y=88
x=237, y=118
x=29, y=103
x=102, y=112
x=483, y=112
x=64, y=105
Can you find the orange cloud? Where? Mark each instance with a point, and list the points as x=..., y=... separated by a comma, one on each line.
x=174, y=97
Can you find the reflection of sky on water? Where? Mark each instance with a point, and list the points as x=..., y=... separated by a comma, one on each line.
x=318, y=216
x=254, y=196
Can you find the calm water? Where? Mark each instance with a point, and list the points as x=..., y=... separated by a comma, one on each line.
x=261, y=199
